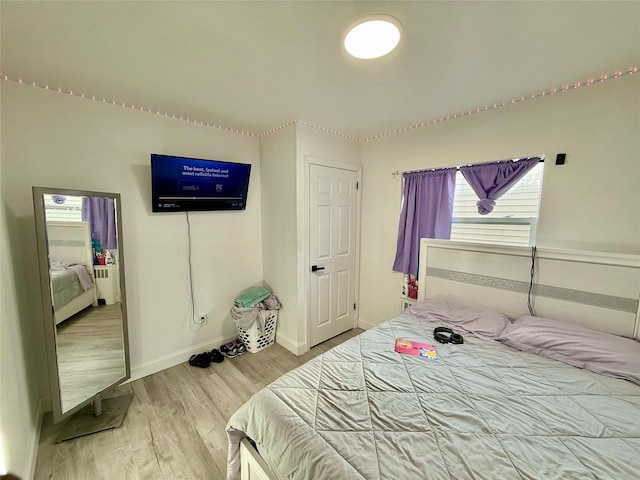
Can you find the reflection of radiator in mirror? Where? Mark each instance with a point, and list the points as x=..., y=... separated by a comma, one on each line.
x=107, y=283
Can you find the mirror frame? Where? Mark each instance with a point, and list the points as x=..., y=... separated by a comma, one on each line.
x=47, y=301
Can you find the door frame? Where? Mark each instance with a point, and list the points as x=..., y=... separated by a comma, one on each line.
x=305, y=270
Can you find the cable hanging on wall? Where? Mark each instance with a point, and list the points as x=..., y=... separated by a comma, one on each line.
x=533, y=269
x=192, y=313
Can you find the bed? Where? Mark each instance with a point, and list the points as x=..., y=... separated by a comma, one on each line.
x=71, y=268
x=481, y=409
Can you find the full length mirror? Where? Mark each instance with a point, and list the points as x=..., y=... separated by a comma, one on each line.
x=83, y=296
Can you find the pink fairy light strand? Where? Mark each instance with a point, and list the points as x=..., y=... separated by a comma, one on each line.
x=563, y=89
x=124, y=105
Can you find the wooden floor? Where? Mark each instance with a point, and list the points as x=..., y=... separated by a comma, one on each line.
x=175, y=426
x=90, y=353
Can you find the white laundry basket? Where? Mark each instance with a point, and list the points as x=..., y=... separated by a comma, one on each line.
x=252, y=338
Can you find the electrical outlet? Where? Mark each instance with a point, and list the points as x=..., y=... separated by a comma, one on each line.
x=202, y=318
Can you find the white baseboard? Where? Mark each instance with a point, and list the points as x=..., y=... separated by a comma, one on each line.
x=176, y=358
x=362, y=323
x=293, y=347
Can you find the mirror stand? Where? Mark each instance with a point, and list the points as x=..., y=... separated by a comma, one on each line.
x=102, y=414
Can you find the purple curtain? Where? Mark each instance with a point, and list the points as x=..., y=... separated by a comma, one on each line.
x=101, y=215
x=427, y=210
x=492, y=180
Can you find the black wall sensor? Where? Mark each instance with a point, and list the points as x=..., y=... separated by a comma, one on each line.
x=560, y=158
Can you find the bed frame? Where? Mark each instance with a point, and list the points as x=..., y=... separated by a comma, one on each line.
x=72, y=241
x=594, y=289
x=252, y=466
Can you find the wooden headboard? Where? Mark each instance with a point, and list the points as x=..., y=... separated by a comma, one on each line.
x=594, y=289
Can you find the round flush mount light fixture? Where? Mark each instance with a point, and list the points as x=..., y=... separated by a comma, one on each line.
x=373, y=36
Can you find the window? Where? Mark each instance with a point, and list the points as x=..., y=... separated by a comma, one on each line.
x=513, y=220
x=62, y=208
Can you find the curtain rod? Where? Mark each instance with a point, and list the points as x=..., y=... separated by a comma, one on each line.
x=396, y=173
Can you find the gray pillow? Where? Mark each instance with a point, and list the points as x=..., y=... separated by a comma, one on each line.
x=483, y=322
x=581, y=347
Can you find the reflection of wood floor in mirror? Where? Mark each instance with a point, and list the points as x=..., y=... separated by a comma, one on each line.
x=90, y=353
x=175, y=426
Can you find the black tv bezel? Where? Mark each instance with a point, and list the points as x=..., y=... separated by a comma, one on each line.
x=204, y=205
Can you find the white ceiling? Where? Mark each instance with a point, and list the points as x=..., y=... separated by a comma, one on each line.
x=258, y=65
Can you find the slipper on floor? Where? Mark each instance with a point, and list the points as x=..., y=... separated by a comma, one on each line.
x=215, y=356
x=200, y=360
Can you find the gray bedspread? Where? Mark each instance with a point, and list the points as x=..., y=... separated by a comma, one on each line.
x=65, y=286
x=481, y=410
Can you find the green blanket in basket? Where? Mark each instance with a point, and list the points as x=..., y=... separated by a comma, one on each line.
x=251, y=296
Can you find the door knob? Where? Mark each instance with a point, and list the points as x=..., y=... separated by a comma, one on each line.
x=315, y=268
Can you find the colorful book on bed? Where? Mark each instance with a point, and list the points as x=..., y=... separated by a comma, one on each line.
x=415, y=348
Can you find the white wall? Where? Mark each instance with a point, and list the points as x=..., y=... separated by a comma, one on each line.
x=590, y=203
x=19, y=361
x=50, y=139
x=278, y=186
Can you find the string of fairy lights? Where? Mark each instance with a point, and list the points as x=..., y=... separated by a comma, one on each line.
x=552, y=91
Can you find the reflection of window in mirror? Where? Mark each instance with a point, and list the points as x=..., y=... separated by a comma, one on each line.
x=63, y=208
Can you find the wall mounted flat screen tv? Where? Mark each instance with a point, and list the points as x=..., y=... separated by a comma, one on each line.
x=180, y=184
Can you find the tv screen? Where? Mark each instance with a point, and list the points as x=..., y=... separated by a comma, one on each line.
x=180, y=184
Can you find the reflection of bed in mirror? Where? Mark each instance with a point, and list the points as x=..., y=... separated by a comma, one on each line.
x=71, y=268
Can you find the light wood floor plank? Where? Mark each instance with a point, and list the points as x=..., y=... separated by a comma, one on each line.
x=224, y=397
x=134, y=439
x=175, y=426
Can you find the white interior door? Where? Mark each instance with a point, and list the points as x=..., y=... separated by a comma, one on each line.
x=332, y=251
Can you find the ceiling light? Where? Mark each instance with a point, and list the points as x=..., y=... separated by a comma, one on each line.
x=373, y=36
